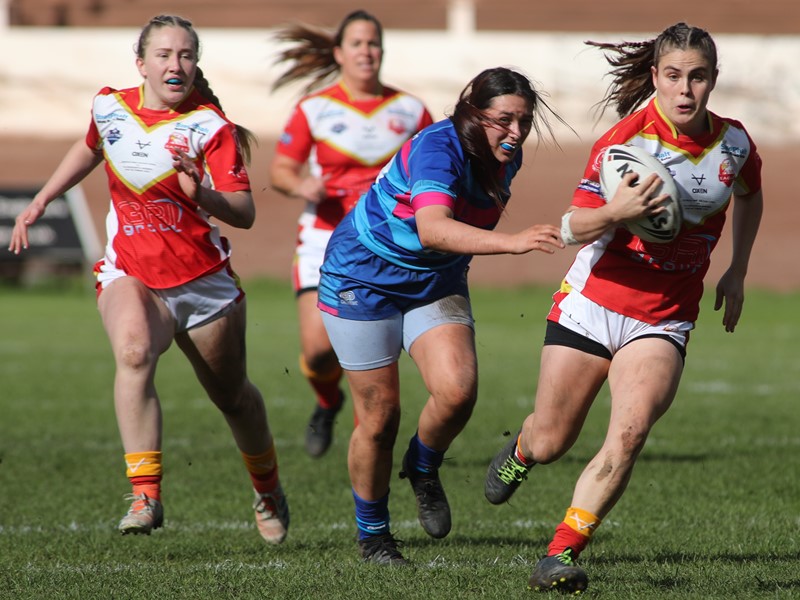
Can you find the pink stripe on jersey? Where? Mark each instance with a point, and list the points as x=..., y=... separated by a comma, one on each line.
x=433, y=198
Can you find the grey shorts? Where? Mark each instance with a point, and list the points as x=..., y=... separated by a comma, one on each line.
x=365, y=345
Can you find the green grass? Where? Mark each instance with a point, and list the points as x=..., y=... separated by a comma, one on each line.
x=712, y=511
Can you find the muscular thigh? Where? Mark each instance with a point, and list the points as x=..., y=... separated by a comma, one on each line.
x=133, y=314
x=569, y=380
x=217, y=349
x=644, y=379
x=446, y=359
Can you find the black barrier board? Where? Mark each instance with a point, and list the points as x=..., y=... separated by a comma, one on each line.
x=64, y=234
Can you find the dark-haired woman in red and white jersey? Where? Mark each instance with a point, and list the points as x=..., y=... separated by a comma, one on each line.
x=335, y=143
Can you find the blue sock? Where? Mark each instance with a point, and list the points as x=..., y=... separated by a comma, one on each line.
x=372, y=516
x=422, y=458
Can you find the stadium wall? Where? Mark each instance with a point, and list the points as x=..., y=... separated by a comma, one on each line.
x=50, y=75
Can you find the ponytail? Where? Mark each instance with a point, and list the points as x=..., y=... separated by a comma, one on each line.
x=632, y=79
x=246, y=137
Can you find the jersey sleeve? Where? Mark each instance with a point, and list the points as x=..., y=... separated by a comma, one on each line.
x=224, y=162
x=588, y=193
x=749, y=178
x=93, y=139
x=434, y=171
x=296, y=140
x=425, y=119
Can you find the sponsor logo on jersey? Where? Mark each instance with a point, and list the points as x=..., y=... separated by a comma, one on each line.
x=397, y=126
x=402, y=113
x=733, y=150
x=156, y=216
x=726, y=172
x=664, y=156
x=117, y=115
x=699, y=179
x=177, y=141
x=113, y=135
x=338, y=127
x=590, y=186
x=196, y=127
x=598, y=160
x=330, y=114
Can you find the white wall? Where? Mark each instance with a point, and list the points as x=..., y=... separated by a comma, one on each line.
x=48, y=76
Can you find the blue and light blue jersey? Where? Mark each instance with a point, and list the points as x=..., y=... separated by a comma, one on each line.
x=377, y=246
x=431, y=168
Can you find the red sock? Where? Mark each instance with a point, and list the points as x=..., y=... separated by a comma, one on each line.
x=263, y=470
x=325, y=385
x=566, y=537
x=148, y=484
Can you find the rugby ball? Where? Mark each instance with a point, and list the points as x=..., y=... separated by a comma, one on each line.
x=620, y=159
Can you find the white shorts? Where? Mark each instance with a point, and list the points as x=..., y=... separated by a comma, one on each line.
x=194, y=303
x=613, y=330
x=365, y=345
x=309, y=254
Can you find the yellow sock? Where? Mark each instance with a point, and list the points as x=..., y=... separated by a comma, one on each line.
x=144, y=472
x=143, y=464
x=263, y=469
x=581, y=521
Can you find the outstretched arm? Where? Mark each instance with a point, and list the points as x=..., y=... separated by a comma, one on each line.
x=77, y=163
x=747, y=212
x=438, y=230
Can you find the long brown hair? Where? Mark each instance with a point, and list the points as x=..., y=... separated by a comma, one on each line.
x=246, y=137
x=632, y=81
x=311, y=56
x=469, y=119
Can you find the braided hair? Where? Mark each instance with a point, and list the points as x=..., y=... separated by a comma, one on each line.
x=632, y=81
x=246, y=137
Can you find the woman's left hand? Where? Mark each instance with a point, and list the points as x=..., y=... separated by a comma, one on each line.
x=730, y=291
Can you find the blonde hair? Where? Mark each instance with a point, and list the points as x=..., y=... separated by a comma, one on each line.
x=246, y=137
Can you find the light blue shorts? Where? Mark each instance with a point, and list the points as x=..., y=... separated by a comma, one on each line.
x=365, y=345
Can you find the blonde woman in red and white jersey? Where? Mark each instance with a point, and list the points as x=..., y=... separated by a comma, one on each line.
x=173, y=162
x=333, y=146
x=626, y=306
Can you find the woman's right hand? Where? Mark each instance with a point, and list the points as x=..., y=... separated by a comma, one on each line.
x=633, y=201
x=19, y=235
x=544, y=238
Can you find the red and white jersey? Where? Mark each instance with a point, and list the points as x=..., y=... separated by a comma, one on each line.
x=155, y=232
x=348, y=141
x=649, y=281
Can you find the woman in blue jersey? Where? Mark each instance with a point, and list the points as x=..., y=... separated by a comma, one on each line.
x=394, y=278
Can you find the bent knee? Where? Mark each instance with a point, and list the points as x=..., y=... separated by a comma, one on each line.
x=135, y=356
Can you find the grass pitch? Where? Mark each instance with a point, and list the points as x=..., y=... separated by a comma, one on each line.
x=712, y=510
